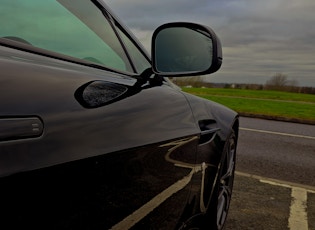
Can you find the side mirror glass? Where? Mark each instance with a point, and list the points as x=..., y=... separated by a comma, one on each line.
x=185, y=49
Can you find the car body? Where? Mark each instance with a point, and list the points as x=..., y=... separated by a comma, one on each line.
x=93, y=134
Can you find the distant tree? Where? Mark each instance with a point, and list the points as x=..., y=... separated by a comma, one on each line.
x=277, y=81
x=280, y=82
x=196, y=81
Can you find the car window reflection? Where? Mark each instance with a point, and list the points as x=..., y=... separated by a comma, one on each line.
x=78, y=30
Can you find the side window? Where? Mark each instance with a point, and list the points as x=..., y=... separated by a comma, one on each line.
x=139, y=60
x=74, y=28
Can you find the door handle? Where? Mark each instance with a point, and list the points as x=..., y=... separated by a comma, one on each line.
x=20, y=128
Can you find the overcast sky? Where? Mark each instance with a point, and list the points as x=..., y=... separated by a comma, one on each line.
x=259, y=38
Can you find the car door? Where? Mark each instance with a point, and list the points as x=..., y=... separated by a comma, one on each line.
x=83, y=146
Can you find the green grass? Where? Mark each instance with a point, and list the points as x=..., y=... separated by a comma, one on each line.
x=261, y=94
x=272, y=104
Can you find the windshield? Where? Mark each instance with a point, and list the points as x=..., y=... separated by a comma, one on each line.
x=74, y=28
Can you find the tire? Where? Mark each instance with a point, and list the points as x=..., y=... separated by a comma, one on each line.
x=221, y=199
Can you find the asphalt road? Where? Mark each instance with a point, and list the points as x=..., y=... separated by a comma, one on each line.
x=274, y=185
x=278, y=150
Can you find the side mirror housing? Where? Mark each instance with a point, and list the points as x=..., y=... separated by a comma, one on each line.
x=185, y=49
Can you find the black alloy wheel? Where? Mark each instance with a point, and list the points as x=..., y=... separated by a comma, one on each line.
x=223, y=190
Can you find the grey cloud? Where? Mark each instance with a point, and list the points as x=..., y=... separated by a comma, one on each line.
x=259, y=38
x=149, y=14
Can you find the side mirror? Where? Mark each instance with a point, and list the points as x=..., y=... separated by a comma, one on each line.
x=185, y=49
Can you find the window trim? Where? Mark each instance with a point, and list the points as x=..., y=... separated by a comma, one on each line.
x=116, y=23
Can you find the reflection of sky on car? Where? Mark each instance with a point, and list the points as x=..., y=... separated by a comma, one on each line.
x=156, y=201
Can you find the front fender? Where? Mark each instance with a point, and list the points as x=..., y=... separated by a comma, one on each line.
x=224, y=117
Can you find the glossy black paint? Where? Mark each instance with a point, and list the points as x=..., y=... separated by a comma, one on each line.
x=111, y=150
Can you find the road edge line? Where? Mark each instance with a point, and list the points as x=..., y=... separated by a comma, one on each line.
x=308, y=188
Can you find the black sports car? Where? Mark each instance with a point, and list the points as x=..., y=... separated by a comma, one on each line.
x=93, y=134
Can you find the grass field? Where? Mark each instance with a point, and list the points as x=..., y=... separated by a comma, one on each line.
x=278, y=105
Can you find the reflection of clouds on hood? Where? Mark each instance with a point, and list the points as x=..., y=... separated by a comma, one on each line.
x=259, y=38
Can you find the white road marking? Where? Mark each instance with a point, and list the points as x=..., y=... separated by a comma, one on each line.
x=298, y=209
x=278, y=133
x=298, y=214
